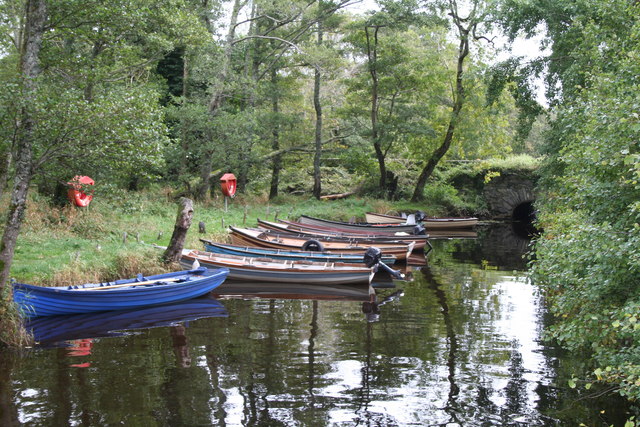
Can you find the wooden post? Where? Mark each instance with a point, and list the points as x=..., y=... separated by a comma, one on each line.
x=183, y=222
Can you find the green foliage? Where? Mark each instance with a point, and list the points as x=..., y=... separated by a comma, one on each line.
x=515, y=76
x=522, y=163
x=588, y=259
x=445, y=196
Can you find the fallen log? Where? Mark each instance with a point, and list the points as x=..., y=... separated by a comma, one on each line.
x=337, y=196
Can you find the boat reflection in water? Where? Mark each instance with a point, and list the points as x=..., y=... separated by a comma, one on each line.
x=268, y=290
x=371, y=301
x=61, y=330
x=371, y=308
x=452, y=234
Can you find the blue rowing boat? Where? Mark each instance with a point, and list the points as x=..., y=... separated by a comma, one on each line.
x=291, y=255
x=121, y=294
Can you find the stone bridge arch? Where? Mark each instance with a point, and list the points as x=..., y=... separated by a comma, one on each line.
x=510, y=196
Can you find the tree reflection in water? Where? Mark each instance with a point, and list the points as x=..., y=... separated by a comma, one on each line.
x=451, y=407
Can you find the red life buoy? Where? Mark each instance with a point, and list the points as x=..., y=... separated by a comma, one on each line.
x=228, y=184
x=76, y=194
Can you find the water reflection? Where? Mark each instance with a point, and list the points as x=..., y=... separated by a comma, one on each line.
x=459, y=345
x=66, y=330
x=371, y=308
x=452, y=341
x=289, y=291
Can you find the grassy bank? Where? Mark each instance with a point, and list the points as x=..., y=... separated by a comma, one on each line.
x=112, y=237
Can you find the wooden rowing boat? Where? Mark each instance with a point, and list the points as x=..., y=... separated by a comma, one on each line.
x=429, y=223
x=362, y=239
x=376, y=218
x=248, y=237
x=281, y=271
x=361, y=227
x=292, y=255
x=449, y=223
x=118, y=295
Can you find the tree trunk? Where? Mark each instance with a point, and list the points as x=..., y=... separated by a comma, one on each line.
x=372, y=55
x=183, y=222
x=36, y=16
x=317, y=182
x=276, y=163
x=203, y=192
x=6, y=160
x=463, y=51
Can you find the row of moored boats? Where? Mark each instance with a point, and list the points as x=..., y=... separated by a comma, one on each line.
x=311, y=251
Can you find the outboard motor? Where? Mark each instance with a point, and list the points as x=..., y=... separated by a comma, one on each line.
x=419, y=230
x=372, y=258
x=420, y=216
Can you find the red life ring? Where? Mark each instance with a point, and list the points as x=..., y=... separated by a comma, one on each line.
x=75, y=193
x=79, y=198
x=228, y=184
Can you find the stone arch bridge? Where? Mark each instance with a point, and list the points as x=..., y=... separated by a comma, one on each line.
x=507, y=195
x=510, y=196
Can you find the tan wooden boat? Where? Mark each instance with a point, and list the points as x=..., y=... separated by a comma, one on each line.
x=281, y=271
x=434, y=223
x=359, y=228
x=376, y=218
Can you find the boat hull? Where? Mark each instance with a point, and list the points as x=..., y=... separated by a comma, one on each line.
x=121, y=294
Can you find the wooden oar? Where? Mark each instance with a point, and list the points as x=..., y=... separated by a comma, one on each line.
x=148, y=282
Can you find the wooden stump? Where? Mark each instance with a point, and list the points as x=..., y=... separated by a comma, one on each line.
x=183, y=222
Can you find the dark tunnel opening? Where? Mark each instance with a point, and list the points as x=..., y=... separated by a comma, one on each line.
x=524, y=217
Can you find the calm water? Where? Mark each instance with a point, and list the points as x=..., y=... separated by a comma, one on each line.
x=458, y=345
